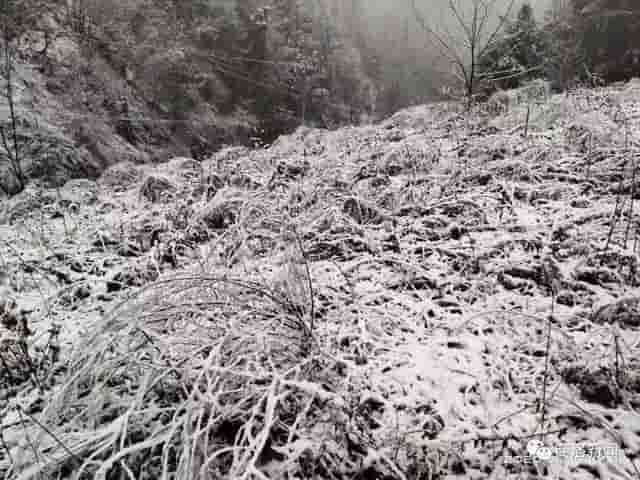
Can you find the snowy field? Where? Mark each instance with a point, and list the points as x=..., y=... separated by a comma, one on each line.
x=423, y=298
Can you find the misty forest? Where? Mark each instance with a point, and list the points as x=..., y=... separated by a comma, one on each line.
x=319, y=239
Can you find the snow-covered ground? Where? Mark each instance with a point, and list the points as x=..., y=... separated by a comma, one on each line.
x=420, y=298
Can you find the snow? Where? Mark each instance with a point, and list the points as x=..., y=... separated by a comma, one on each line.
x=375, y=300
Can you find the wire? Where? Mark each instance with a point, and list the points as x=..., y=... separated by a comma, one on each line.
x=282, y=88
x=255, y=60
x=242, y=76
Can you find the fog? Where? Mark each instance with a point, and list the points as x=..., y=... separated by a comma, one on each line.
x=382, y=17
x=409, y=56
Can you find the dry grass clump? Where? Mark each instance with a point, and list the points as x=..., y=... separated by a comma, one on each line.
x=156, y=189
x=186, y=167
x=14, y=332
x=408, y=157
x=586, y=117
x=210, y=185
x=227, y=156
x=223, y=210
x=24, y=204
x=603, y=385
x=590, y=129
x=362, y=213
x=21, y=360
x=542, y=117
x=626, y=312
x=81, y=190
x=199, y=377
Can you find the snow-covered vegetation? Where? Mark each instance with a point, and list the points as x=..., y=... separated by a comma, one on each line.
x=417, y=298
x=229, y=251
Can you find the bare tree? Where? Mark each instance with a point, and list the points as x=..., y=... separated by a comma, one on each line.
x=477, y=28
x=9, y=134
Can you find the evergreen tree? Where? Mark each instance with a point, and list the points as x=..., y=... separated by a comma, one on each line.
x=519, y=56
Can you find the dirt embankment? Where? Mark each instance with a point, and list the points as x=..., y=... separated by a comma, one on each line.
x=76, y=115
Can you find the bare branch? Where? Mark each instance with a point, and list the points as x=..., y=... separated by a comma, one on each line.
x=445, y=47
x=498, y=29
x=477, y=38
x=467, y=28
x=13, y=153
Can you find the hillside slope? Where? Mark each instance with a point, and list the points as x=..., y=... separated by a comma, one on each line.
x=419, y=298
x=77, y=114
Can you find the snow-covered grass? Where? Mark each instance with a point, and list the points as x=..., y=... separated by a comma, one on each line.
x=413, y=299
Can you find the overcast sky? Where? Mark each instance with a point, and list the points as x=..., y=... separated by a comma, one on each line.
x=383, y=16
x=383, y=8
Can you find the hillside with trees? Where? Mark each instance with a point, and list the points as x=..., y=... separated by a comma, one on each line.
x=594, y=42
